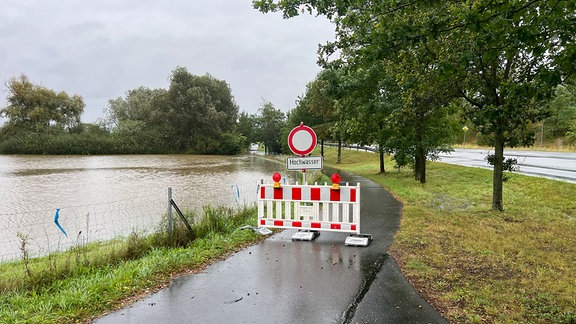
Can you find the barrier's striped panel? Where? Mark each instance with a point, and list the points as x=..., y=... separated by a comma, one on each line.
x=310, y=207
x=324, y=226
x=309, y=193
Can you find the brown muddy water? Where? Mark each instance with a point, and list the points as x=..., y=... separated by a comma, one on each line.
x=103, y=197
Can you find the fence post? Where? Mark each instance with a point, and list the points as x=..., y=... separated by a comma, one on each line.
x=170, y=225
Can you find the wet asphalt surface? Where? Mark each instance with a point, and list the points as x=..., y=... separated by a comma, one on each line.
x=285, y=281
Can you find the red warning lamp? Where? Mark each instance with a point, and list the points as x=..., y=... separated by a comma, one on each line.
x=276, y=177
x=335, y=181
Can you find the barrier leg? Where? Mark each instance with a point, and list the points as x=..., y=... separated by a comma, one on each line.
x=358, y=240
x=305, y=235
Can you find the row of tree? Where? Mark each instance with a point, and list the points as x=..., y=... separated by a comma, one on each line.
x=43, y=121
x=407, y=75
x=403, y=66
x=196, y=114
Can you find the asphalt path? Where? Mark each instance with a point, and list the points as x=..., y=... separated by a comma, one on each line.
x=283, y=281
x=553, y=165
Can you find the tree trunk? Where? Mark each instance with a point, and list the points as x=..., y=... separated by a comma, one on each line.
x=322, y=148
x=420, y=165
x=498, y=172
x=420, y=158
x=339, y=158
x=416, y=167
x=382, y=169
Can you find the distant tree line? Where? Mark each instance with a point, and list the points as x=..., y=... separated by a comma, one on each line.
x=196, y=114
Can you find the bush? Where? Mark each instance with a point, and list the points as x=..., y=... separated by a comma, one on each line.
x=571, y=134
x=231, y=144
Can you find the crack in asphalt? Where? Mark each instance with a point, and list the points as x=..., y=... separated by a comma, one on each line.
x=371, y=270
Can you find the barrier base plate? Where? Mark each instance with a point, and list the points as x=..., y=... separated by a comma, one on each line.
x=358, y=240
x=263, y=231
x=305, y=235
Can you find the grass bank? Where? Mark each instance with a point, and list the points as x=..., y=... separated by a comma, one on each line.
x=90, y=280
x=477, y=265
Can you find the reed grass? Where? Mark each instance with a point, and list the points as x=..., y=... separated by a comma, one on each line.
x=89, y=280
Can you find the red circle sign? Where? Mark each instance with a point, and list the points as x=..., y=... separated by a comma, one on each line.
x=302, y=140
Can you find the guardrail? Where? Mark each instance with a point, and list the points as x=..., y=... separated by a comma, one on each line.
x=372, y=148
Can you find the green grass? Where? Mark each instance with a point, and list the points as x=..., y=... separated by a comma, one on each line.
x=474, y=264
x=90, y=280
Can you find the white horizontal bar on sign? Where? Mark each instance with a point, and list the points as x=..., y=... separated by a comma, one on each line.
x=304, y=162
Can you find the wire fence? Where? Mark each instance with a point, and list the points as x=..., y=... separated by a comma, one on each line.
x=47, y=231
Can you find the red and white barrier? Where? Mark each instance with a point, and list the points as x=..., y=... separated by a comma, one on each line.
x=332, y=208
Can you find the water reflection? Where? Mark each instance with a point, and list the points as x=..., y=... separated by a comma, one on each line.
x=101, y=197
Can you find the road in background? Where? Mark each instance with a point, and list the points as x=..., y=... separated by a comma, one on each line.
x=553, y=165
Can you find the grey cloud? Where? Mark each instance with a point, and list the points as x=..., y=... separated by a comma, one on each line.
x=101, y=49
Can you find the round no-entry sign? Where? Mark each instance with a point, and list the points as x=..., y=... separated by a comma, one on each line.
x=302, y=140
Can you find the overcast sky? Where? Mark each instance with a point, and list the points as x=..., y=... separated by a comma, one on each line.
x=99, y=49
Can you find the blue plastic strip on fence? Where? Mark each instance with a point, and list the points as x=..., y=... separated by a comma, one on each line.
x=237, y=195
x=56, y=217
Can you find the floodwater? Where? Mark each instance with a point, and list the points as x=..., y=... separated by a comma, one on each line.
x=103, y=197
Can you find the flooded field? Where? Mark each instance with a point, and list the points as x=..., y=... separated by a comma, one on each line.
x=102, y=197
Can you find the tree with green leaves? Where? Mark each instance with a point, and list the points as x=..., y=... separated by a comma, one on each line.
x=196, y=114
x=328, y=88
x=316, y=110
x=510, y=57
x=34, y=108
x=362, y=102
x=505, y=57
x=270, y=122
x=198, y=108
x=562, y=113
x=421, y=122
x=247, y=127
x=136, y=119
x=141, y=104
x=385, y=101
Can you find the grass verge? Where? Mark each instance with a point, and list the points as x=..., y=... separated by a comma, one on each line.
x=477, y=265
x=90, y=280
